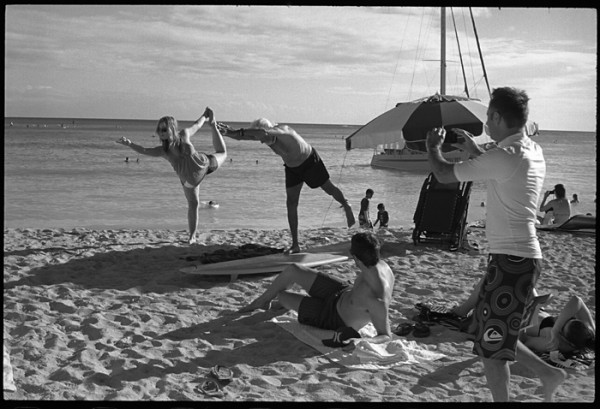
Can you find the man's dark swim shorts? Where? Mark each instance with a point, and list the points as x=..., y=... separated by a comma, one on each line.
x=312, y=171
x=320, y=309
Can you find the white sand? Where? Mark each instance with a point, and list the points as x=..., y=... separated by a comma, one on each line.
x=106, y=315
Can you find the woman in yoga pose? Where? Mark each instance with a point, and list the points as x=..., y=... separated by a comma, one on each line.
x=190, y=165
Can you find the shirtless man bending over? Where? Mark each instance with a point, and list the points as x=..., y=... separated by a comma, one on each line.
x=332, y=304
x=302, y=163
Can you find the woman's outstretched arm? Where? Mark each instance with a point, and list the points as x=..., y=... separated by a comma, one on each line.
x=156, y=151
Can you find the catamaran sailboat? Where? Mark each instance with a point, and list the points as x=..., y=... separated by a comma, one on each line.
x=398, y=135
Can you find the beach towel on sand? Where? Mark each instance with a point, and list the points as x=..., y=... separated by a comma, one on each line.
x=7, y=372
x=242, y=252
x=366, y=355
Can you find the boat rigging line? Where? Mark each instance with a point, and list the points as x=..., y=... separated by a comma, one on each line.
x=462, y=66
x=337, y=184
x=480, y=55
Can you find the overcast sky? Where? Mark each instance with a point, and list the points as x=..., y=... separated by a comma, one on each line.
x=332, y=65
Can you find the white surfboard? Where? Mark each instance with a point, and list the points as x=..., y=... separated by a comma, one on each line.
x=272, y=263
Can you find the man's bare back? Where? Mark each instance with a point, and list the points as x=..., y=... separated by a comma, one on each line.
x=369, y=298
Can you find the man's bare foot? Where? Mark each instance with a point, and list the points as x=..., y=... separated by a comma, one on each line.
x=350, y=219
x=293, y=250
x=551, y=382
x=257, y=304
x=192, y=240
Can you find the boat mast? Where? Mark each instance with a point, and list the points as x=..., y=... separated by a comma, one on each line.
x=443, y=54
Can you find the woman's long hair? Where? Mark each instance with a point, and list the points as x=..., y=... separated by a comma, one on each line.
x=171, y=123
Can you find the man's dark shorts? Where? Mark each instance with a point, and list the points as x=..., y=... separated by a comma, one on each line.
x=320, y=309
x=312, y=171
x=498, y=314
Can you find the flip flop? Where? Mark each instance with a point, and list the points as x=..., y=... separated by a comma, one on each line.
x=221, y=373
x=434, y=313
x=421, y=330
x=404, y=329
x=209, y=387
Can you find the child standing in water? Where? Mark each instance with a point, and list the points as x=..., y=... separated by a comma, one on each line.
x=382, y=216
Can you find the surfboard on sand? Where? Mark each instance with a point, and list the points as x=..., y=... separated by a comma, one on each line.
x=271, y=263
x=577, y=223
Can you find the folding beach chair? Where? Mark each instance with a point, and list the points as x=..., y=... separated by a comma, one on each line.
x=441, y=214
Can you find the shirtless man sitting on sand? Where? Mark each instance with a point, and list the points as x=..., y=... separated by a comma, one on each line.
x=332, y=304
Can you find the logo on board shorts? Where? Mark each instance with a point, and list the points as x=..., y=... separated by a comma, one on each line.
x=493, y=335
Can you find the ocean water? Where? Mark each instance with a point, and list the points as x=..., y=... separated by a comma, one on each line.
x=66, y=173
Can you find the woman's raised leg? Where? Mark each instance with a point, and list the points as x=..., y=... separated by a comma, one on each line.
x=217, y=139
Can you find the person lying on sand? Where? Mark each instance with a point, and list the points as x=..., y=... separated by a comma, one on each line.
x=574, y=330
x=302, y=165
x=332, y=304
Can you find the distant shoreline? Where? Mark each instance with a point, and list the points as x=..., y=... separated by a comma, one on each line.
x=55, y=120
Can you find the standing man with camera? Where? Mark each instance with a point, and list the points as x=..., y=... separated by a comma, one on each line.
x=514, y=172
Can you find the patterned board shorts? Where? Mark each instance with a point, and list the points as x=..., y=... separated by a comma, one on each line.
x=506, y=290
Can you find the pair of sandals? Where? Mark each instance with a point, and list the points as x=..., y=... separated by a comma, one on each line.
x=418, y=329
x=211, y=386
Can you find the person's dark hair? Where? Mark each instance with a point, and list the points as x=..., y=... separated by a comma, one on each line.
x=380, y=206
x=580, y=335
x=365, y=246
x=559, y=191
x=369, y=191
x=512, y=105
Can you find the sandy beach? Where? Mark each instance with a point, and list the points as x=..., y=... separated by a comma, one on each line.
x=107, y=316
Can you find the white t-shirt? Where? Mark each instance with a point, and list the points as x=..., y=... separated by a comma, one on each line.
x=514, y=173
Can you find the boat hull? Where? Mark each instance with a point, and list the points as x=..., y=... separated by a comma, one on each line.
x=415, y=162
